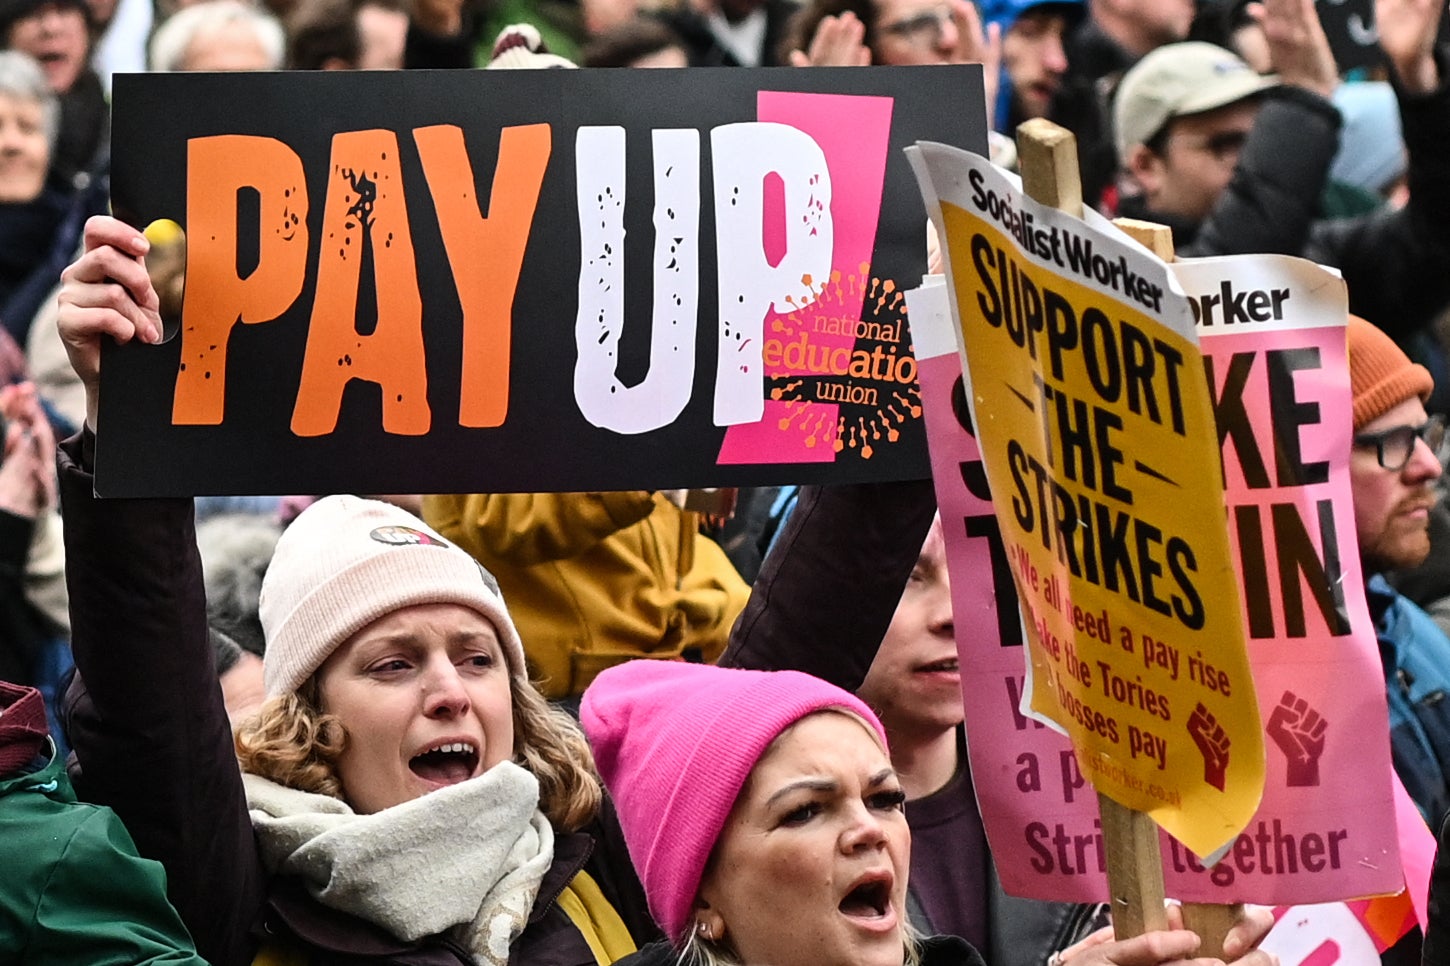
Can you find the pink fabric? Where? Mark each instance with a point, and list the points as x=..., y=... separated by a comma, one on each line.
x=674, y=743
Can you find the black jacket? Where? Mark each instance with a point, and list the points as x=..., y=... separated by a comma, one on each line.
x=1396, y=262
x=935, y=951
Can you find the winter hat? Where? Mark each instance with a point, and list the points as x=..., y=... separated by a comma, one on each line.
x=675, y=743
x=1005, y=14
x=12, y=11
x=344, y=563
x=519, y=47
x=24, y=733
x=1371, y=143
x=1177, y=80
x=1381, y=376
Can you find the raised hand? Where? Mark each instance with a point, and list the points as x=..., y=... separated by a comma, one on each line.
x=976, y=45
x=1407, y=30
x=1298, y=50
x=106, y=292
x=838, y=42
x=27, y=472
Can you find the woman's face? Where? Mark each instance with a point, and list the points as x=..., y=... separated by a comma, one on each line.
x=812, y=864
x=423, y=695
x=24, y=149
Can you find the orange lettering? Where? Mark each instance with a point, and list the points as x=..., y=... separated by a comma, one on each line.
x=217, y=296
x=485, y=253
x=365, y=209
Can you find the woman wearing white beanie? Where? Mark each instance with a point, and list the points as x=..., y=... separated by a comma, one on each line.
x=405, y=794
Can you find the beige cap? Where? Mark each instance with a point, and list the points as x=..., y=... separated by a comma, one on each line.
x=1176, y=80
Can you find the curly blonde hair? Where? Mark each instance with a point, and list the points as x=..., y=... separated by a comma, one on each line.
x=293, y=742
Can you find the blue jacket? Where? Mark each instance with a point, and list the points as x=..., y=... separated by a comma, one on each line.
x=1416, y=657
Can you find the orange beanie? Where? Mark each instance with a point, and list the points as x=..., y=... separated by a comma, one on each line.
x=1381, y=376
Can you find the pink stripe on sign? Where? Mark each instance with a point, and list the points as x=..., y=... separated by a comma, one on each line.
x=1326, y=954
x=854, y=133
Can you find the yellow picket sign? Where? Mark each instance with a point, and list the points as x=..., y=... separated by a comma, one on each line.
x=1096, y=428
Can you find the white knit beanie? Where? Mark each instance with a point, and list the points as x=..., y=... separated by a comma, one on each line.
x=344, y=563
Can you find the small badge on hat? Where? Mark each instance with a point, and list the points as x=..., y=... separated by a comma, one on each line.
x=403, y=536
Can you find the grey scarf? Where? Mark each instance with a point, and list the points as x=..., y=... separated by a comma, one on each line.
x=465, y=860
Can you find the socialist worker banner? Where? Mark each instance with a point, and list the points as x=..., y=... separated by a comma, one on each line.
x=1097, y=438
x=462, y=281
x=1306, y=843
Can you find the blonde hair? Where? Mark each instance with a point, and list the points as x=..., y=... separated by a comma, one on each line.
x=292, y=742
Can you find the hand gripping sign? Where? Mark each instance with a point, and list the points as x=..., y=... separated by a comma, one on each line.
x=1097, y=437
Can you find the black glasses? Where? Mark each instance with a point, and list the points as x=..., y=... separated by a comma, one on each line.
x=1395, y=446
x=922, y=30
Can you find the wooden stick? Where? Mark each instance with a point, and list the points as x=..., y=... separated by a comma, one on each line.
x=1211, y=921
x=1157, y=238
x=1135, y=870
x=1048, y=159
x=1048, y=156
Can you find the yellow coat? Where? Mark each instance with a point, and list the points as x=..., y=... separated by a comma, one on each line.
x=594, y=579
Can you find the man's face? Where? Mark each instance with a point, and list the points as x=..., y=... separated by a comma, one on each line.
x=1392, y=508
x=1197, y=161
x=55, y=36
x=910, y=32
x=1035, y=60
x=914, y=683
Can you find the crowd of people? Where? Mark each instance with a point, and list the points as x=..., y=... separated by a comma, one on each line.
x=587, y=728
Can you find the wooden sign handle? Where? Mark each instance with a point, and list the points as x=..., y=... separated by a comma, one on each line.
x=1211, y=921
x=1048, y=156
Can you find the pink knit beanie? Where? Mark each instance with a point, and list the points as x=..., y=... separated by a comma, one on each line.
x=675, y=743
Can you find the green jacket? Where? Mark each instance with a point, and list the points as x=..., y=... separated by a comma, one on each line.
x=74, y=890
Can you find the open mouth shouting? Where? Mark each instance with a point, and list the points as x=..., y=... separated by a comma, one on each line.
x=446, y=762
x=868, y=903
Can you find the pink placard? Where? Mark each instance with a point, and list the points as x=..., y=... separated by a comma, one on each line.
x=1324, y=830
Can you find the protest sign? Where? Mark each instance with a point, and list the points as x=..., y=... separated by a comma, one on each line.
x=1304, y=845
x=1098, y=430
x=421, y=281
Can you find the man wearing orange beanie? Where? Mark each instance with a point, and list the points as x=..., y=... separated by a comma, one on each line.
x=1394, y=464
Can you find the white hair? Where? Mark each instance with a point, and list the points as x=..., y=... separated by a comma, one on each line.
x=22, y=79
x=171, y=40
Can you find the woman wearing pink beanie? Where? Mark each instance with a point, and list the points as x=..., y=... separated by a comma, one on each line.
x=767, y=825
x=405, y=795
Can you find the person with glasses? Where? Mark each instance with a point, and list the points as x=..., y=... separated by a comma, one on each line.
x=1396, y=460
x=1236, y=162
x=1019, y=44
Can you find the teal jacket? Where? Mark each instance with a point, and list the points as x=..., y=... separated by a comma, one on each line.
x=74, y=890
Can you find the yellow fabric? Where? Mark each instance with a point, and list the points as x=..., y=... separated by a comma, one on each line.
x=581, y=900
x=275, y=955
x=596, y=579
x=596, y=920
